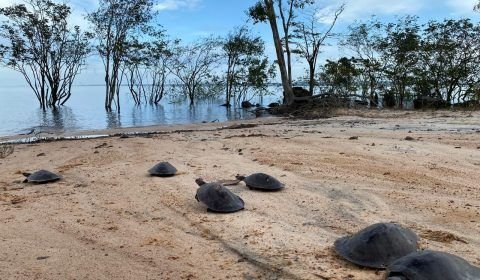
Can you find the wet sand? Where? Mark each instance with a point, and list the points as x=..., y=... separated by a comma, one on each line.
x=107, y=219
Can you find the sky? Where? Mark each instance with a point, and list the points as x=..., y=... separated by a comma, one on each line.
x=193, y=19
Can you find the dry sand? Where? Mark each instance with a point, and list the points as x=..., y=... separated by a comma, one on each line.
x=108, y=220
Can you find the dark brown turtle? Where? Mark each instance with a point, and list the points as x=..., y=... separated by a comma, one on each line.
x=377, y=245
x=261, y=181
x=162, y=169
x=432, y=265
x=41, y=177
x=218, y=198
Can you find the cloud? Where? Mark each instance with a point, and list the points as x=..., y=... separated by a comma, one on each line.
x=167, y=5
x=464, y=7
x=355, y=9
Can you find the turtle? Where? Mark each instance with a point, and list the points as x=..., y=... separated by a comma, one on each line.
x=377, y=245
x=162, y=169
x=261, y=181
x=41, y=177
x=428, y=264
x=218, y=198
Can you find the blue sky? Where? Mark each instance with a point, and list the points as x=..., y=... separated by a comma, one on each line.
x=191, y=19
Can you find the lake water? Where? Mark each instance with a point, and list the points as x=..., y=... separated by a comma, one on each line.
x=19, y=111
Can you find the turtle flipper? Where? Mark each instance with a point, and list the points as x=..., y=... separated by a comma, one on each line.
x=240, y=177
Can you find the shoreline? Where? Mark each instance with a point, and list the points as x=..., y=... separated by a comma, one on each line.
x=341, y=174
x=131, y=131
x=171, y=128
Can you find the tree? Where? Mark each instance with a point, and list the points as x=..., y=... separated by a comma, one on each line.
x=264, y=11
x=193, y=65
x=115, y=23
x=287, y=16
x=450, y=57
x=246, y=65
x=159, y=57
x=43, y=48
x=145, y=68
x=339, y=77
x=399, y=51
x=309, y=41
x=363, y=38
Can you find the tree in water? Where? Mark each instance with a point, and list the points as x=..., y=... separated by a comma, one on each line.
x=115, y=23
x=145, y=68
x=43, y=48
x=193, y=65
x=247, y=66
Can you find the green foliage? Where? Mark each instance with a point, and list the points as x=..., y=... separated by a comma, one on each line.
x=450, y=58
x=117, y=25
x=247, y=66
x=193, y=66
x=399, y=51
x=145, y=66
x=40, y=45
x=258, y=12
x=405, y=60
x=339, y=77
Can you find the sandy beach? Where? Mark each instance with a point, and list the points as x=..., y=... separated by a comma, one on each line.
x=107, y=219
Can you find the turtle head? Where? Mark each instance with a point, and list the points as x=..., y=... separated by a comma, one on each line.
x=240, y=177
x=200, y=181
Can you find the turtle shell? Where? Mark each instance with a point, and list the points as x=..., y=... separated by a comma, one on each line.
x=377, y=245
x=218, y=198
x=426, y=265
x=162, y=169
x=262, y=181
x=42, y=176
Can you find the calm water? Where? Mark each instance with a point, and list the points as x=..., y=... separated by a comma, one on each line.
x=19, y=112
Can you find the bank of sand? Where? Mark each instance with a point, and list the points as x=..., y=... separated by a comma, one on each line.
x=108, y=220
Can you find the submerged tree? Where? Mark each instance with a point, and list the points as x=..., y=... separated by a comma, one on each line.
x=145, y=68
x=193, y=65
x=115, y=23
x=247, y=67
x=40, y=45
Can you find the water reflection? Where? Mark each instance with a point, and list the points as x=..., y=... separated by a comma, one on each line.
x=85, y=110
x=159, y=113
x=56, y=119
x=113, y=119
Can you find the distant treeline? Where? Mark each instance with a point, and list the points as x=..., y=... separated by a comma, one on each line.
x=436, y=62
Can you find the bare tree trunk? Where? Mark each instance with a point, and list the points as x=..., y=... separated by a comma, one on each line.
x=286, y=27
x=311, y=79
x=288, y=96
